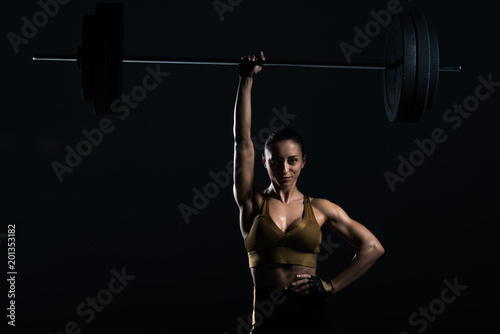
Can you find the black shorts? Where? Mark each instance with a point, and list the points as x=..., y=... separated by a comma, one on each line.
x=283, y=311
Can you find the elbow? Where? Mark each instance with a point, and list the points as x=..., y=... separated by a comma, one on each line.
x=242, y=137
x=379, y=250
x=243, y=145
x=375, y=248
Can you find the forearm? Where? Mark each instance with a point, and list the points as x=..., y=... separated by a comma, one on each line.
x=243, y=111
x=367, y=255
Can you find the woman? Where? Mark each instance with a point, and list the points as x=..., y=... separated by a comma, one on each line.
x=281, y=227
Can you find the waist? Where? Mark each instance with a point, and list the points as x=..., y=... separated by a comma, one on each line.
x=278, y=275
x=281, y=255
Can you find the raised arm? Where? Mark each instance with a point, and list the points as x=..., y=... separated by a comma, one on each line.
x=244, y=155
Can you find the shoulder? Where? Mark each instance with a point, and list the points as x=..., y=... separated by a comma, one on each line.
x=328, y=209
x=323, y=204
x=254, y=199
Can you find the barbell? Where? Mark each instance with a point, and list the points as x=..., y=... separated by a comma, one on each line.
x=410, y=71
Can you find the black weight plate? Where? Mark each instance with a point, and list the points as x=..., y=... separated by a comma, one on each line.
x=108, y=56
x=100, y=59
x=399, y=79
x=393, y=76
x=434, y=68
x=87, y=52
x=115, y=52
x=423, y=67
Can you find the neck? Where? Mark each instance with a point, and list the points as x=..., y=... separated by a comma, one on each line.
x=285, y=195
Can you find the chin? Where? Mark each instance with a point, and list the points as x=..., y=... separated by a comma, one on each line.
x=285, y=185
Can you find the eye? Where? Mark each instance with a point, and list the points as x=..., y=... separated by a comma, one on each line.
x=292, y=161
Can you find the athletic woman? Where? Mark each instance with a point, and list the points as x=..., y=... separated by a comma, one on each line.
x=282, y=227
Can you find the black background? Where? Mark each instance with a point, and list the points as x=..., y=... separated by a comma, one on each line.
x=119, y=207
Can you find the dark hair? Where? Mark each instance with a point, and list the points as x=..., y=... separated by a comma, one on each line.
x=285, y=134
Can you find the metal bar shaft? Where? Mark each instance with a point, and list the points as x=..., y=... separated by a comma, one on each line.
x=232, y=62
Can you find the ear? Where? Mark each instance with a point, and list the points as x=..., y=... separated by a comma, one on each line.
x=303, y=161
x=264, y=160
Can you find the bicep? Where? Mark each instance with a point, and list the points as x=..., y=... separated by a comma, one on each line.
x=350, y=230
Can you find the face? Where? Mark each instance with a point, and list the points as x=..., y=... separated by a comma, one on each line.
x=283, y=161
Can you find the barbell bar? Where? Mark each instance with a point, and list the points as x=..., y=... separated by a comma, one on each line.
x=411, y=68
x=232, y=62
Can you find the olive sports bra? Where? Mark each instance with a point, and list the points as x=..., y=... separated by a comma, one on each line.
x=266, y=244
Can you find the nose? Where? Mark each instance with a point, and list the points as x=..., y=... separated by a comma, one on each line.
x=285, y=167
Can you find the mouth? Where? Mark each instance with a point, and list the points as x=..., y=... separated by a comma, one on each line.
x=284, y=179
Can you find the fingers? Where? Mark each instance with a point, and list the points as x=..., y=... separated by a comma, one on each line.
x=260, y=56
x=304, y=289
x=304, y=276
x=250, y=65
x=301, y=284
x=306, y=284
